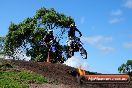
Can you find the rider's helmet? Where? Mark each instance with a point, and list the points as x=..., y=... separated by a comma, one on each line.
x=72, y=25
x=50, y=31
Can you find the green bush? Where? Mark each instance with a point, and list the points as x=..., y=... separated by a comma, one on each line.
x=21, y=79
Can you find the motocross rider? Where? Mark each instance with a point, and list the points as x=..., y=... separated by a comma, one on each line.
x=48, y=38
x=71, y=36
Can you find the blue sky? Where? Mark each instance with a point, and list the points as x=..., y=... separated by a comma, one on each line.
x=106, y=26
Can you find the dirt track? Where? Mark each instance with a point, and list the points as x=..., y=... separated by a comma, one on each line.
x=60, y=77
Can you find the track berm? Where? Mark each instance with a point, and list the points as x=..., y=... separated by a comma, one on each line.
x=60, y=74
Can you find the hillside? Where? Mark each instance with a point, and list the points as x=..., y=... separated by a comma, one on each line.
x=58, y=75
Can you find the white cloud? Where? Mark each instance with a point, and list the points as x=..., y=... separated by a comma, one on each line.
x=97, y=39
x=128, y=45
x=116, y=12
x=82, y=20
x=116, y=16
x=128, y=3
x=105, y=49
x=75, y=61
x=115, y=20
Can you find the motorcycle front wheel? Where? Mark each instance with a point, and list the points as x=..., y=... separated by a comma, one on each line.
x=83, y=53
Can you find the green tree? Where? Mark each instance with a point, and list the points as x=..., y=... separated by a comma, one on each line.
x=129, y=66
x=126, y=68
x=122, y=68
x=28, y=35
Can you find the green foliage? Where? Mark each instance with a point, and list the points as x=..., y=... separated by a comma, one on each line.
x=129, y=62
x=14, y=79
x=28, y=34
x=123, y=68
x=51, y=18
x=126, y=68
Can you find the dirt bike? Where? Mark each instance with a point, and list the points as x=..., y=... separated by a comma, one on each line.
x=76, y=46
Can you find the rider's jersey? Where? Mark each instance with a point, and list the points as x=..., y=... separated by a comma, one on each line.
x=48, y=38
x=71, y=32
x=53, y=48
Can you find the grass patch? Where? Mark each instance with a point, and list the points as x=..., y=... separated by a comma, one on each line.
x=27, y=75
x=19, y=79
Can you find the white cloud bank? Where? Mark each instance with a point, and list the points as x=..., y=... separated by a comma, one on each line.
x=128, y=45
x=128, y=4
x=98, y=41
x=116, y=13
x=116, y=16
x=105, y=49
x=115, y=20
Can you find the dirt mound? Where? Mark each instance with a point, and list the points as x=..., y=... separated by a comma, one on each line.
x=62, y=74
x=55, y=72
